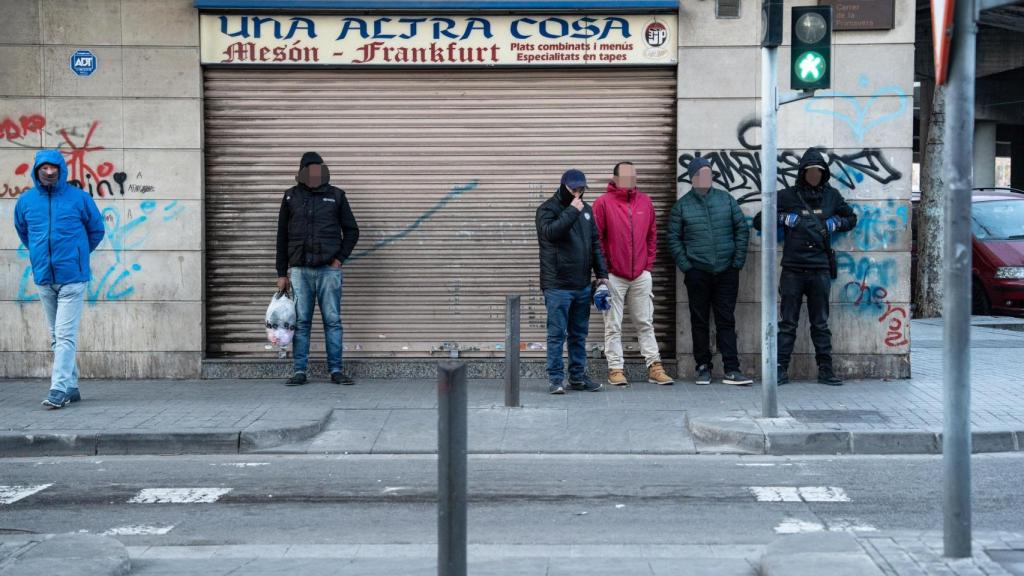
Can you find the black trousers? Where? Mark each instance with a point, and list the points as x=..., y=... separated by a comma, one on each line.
x=713, y=293
x=794, y=284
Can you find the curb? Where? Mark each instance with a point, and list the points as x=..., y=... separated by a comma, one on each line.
x=212, y=441
x=64, y=555
x=832, y=553
x=777, y=437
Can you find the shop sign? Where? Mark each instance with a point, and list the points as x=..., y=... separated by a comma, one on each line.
x=506, y=40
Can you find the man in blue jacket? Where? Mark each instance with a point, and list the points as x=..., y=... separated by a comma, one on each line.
x=61, y=226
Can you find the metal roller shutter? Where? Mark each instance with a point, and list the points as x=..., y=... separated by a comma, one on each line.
x=444, y=170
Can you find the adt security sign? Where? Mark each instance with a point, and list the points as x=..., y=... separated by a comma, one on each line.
x=83, y=62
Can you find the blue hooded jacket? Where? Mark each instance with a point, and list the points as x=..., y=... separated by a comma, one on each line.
x=59, y=224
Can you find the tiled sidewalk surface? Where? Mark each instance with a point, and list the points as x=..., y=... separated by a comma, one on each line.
x=400, y=415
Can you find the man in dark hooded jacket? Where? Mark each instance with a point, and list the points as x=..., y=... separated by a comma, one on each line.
x=809, y=213
x=316, y=233
x=570, y=250
x=60, y=225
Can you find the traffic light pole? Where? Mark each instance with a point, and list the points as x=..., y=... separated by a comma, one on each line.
x=770, y=102
x=959, y=140
x=769, y=221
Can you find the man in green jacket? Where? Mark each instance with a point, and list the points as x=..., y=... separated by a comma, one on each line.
x=708, y=235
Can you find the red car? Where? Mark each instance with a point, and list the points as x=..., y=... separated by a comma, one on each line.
x=997, y=216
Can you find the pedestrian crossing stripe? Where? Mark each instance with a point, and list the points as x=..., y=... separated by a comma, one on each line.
x=138, y=530
x=178, y=495
x=799, y=494
x=11, y=494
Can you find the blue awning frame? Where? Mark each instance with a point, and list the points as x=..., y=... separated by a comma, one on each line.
x=623, y=6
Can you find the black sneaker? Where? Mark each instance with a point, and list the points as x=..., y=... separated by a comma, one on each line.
x=585, y=385
x=703, y=375
x=341, y=378
x=783, y=377
x=297, y=379
x=736, y=378
x=827, y=377
x=556, y=388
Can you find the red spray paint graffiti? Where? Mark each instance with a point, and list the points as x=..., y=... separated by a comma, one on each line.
x=895, y=335
x=16, y=130
x=98, y=180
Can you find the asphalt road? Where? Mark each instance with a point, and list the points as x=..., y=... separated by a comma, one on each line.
x=384, y=507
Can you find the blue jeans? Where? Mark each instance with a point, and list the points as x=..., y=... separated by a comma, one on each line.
x=321, y=285
x=62, y=304
x=568, y=312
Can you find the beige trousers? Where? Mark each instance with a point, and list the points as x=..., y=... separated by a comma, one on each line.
x=639, y=295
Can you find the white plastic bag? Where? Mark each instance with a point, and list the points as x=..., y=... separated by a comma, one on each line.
x=280, y=321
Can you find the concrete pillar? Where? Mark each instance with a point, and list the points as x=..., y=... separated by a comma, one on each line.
x=984, y=154
x=1017, y=159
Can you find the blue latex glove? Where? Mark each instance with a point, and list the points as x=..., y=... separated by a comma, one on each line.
x=789, y=219
x=602, y=300
x=832, y=223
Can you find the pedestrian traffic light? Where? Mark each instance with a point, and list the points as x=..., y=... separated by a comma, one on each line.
x=811, y=57
x=771, y=23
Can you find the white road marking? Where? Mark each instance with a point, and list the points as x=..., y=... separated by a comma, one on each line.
x=797, y=526
x=775, y=493
x=138, y=530
x=392, y=489
x=243, y=464
x=178, y=495
x=756, y=464
x=11, y=494
x=799, y=494
x=850, y=526
x=823, y=494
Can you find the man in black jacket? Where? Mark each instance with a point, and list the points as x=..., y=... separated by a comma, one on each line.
x=316, y=233
x=809, y=213
x=570, y=249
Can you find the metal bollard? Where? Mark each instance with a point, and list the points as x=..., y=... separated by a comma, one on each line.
x=451, y=469
x=512, y=350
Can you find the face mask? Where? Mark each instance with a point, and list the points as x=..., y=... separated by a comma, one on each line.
x=48, y=179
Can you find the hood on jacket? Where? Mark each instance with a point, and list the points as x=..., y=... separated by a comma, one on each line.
x=50, y=157
x=313, y=173
x=812, y=158
x=310, y=158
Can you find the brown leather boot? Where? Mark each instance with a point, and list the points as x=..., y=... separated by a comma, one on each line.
x=656, y=375
x=617, y=377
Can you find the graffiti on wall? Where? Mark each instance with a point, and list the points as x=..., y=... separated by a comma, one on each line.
x=101, y=179
x=739, y=171
x=880, y=226
x=113, y=274
x=861, y=114
x=451, y=196
x=869, y=291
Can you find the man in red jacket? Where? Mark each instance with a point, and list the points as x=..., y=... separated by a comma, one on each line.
x=629, y=238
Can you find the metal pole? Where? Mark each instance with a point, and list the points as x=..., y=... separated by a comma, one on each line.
x=769, y=282
x=451, y=469
x=512, y=351
x=956, y=302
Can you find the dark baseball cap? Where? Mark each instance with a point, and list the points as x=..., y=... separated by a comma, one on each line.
x=574, y=179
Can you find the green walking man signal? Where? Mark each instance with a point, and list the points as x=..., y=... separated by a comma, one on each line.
x=811, y=56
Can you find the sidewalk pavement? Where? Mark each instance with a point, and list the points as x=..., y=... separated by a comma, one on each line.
x=62, y=555
x=400, y=416
x=809, y=554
